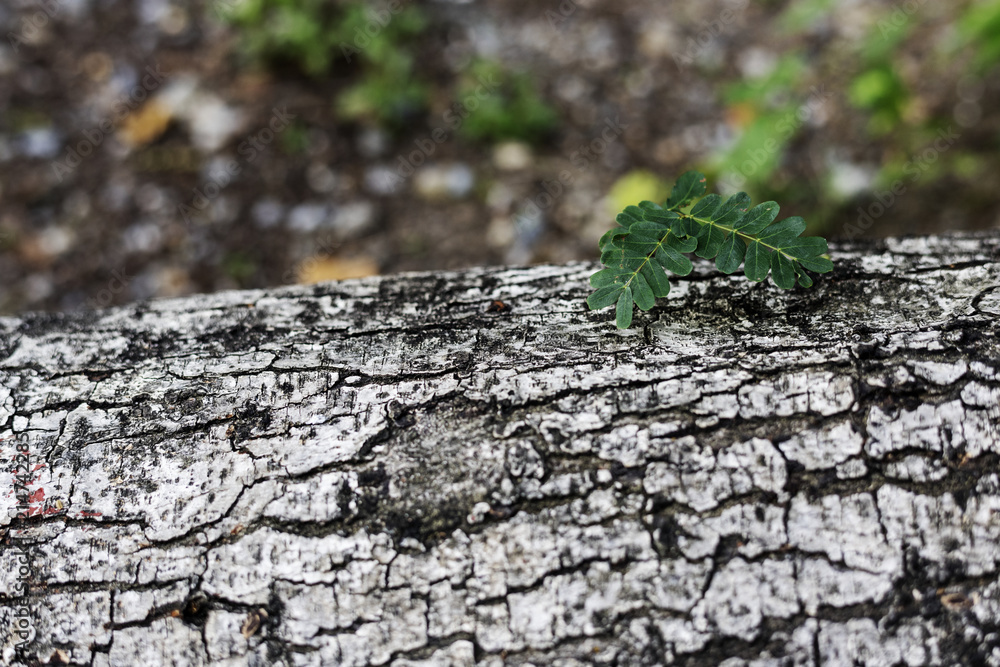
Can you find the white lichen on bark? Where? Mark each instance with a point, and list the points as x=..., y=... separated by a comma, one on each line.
x=392, y=472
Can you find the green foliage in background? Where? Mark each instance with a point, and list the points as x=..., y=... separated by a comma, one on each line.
x=285, y=30
x=295, y=138
x=868, y=84
x=802, y=15
x=980, y=26
x=314, y=35
x=768, y=103
x=507, y=106
x=239, y=266
x=877, y=88
x=879, y=91
x=651, y=239
x=390, y=90
x=386, y=95
x=637, y=185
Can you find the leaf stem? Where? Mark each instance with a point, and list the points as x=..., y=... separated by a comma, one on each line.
x=703, y=222
x=649, y=256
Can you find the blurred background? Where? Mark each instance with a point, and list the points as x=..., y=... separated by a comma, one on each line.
x=166, y=147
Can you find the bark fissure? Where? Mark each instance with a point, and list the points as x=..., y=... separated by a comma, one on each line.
x=400, y=475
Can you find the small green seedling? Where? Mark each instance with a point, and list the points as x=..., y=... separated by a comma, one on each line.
x=651, y=238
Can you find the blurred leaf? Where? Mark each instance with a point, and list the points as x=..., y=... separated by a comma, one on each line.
x=805, y=15
x=511, y=109
x=383, y=97
x=239, y=266
x=145, y=125
x=881, y=91
x=313, y=35
x=321, y=268
x=741, y=114
x=758, y=150
x=980, y=25
x=295, y=139
x=767, y=90
x=637, y=185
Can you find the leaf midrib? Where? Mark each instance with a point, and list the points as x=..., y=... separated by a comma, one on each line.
x=742, y=235
x=649, y=255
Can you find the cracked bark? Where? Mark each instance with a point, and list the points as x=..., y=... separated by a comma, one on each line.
x=398, y=471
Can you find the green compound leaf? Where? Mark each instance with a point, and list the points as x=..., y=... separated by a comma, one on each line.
x=731, y=254
x=602, y=278
x=757, y=218
x=641, y=291
x=784, y=232
x=734, y=209
x=661, y=217
x=817, y=264
x=782, y=271
x=804, y=279
x=710, y=238
x=706, y=207
x=609, y=276
x=604, y=296
x=657, y=279
x=691, y=184
x=682, y=244
x=757, y=262
x=672, y=260
x=630, y=216
x=623, y=311
x=651, y=238
x=800, y=248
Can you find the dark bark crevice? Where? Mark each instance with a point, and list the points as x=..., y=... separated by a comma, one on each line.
x=399, y=471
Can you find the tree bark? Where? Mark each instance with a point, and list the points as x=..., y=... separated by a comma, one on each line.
x=472, y=468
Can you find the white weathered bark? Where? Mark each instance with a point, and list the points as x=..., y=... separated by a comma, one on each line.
x=399, y=471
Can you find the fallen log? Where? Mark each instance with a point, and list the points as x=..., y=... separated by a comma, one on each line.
x=471, y=468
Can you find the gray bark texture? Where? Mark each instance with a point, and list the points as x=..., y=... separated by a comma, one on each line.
x=471, y=468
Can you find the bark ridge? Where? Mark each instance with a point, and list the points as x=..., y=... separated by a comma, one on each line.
x=470, y=468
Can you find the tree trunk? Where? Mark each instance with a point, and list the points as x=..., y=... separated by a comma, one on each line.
x=472, y=468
